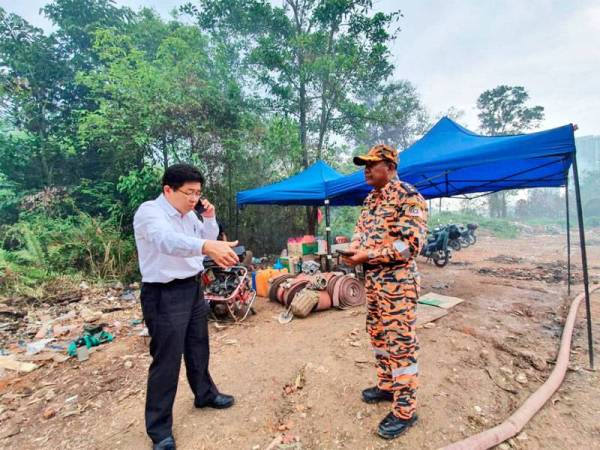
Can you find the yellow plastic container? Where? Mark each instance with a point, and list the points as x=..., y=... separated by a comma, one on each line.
x=262, y=280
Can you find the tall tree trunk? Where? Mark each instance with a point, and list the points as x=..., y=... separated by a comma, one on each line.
x=165, y=152
x=230, y=195
x=303, y=138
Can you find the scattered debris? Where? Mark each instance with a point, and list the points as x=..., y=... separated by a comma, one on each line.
x=521, y=378
x=49, y=413
x=8, y=362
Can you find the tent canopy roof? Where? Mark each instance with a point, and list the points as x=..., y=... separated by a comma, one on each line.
x=305, y=188
x=451, y=160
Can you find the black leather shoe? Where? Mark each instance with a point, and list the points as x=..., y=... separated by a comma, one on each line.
x=165, y=444
x=220, y=401
x=391, y=426
x=376, y=395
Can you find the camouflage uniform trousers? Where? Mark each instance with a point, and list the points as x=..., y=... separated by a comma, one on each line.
x=391, y=324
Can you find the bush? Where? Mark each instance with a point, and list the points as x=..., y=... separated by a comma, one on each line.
x=74, y=245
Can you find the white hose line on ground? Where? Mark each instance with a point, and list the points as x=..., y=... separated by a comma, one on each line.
x=515, y=423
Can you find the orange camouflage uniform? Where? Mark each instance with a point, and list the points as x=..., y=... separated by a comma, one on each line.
x=392, y=228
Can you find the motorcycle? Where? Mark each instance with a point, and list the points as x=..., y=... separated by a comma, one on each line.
x=437, y=249
x=455, y=240
x=471, y=227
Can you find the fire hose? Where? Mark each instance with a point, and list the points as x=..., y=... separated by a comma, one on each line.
x=334, y=290
x=515, y=423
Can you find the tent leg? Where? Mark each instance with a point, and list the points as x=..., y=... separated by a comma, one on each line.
x=328, y=234
x=568, y=236
x=237, y=223
x=583, y=261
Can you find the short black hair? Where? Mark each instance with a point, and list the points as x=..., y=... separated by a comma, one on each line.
x=178, y=174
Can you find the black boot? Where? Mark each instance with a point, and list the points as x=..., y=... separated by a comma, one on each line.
x=376, y=395
x=391, y=426
x=165, y=444
x=219, y=401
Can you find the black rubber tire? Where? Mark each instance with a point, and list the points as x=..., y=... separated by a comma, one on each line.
x=442, y=262
x=454, y=245
x=472, y=239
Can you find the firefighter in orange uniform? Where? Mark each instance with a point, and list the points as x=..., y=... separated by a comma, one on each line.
x=389, y=234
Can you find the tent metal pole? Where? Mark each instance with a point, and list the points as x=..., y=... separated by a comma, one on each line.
x=583, y=261
x=328, y=235
x=568, y=235
x=237, y=223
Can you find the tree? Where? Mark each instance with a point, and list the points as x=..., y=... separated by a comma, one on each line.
x=312, y=58
x=31, y=74
x=392, y=113
x=503, y=110
x=39, y=90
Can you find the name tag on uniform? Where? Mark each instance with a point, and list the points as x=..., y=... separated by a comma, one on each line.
x=414, y=211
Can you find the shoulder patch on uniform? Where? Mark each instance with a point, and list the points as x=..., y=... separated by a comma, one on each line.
x=409, y=188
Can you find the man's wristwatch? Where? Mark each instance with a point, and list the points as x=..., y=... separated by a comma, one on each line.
x=371, y=254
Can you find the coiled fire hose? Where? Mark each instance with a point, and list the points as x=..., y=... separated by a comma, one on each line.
x=335, y=289
x=515, y=423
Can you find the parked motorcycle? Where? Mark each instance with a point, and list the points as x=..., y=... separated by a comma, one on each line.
x=456, y=240
x=471, y=227
x=437, y=249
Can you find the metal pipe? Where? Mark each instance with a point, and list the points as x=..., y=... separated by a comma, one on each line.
x=568, y=236
x=586, y=284
x=328, y=234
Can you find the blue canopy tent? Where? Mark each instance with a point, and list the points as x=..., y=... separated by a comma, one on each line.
x=305, y=188
x=453, y=161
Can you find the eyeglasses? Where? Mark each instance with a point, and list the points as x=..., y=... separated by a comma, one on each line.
x=192, y=194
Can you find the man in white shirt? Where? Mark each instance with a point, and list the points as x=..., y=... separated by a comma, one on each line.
x=172, y=244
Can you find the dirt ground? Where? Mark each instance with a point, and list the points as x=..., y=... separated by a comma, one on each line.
x=507, y=329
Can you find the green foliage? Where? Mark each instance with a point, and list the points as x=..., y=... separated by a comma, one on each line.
x=504, y=110
x=139, y=186
x=75, y=244
x=313, y=58
x=92, y=111
x=343, y=221
x=500, y=228
x=391, y=113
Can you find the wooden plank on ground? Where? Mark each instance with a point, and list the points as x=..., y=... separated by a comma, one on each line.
x=426, y=314
x=439, y=300
x=8, y=362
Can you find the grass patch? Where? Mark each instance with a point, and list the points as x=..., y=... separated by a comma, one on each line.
x=500, y=228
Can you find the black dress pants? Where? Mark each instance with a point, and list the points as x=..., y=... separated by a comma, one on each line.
x=176, y=316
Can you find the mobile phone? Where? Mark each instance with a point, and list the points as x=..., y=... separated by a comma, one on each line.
x=200, y=206
x=346, y=252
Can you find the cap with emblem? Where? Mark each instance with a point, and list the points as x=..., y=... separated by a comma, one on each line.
x=379, y=152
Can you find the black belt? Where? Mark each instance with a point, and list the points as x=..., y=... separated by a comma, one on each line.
x=179, y=281
x=367, y=266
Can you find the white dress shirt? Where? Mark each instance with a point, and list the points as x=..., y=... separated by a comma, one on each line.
x=169, y=244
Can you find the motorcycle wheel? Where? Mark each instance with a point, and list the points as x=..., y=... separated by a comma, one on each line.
x=441, y=259
x=454, y=244
x=472, y=239
x=464, y=242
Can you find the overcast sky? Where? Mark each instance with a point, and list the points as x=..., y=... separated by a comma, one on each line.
x=453, y=50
